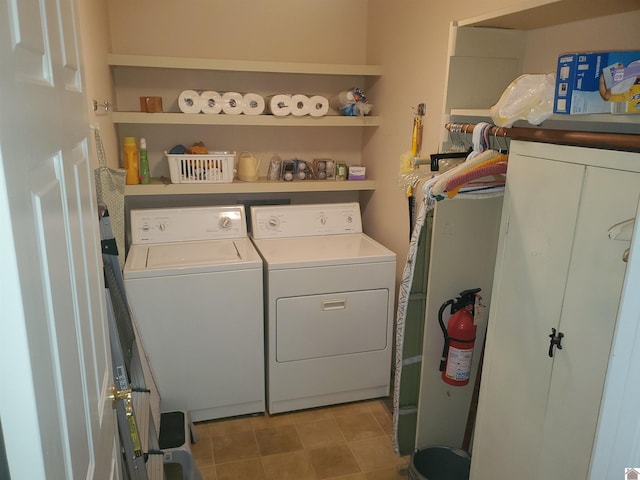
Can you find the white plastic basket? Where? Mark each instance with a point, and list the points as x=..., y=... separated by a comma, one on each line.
x=216, y=167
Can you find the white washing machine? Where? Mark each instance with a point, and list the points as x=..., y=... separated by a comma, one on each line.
x=329, y=294
x=194, y=284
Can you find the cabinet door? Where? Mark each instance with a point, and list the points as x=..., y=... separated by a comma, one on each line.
x=534, y=249
x=592, y=295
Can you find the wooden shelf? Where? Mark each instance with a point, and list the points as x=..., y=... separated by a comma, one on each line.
x=492, y=49
x=156, y=187
x=241, y=65
x=247, y=120
x=536, y=14
x=605, y=123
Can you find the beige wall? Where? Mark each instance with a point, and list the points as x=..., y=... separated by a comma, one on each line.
x=95, y=37
x=325, y=31
x=407, y=37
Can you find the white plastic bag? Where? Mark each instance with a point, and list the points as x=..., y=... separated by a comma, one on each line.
x=529, y=97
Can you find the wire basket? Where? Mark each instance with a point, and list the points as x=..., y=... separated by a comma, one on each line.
x=216, y=167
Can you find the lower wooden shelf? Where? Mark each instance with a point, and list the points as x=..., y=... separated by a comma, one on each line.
x=157, y=187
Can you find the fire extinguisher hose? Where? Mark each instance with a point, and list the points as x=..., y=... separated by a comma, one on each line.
x=445, y=348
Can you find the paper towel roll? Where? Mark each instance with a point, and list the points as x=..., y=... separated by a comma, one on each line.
x=253, y=104
x=300, y=105
x=210, y=102
x=319, y=106
x=232, y=103
x=189, y=101
x=279, y=105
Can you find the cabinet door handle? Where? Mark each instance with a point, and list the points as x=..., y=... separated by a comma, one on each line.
x=556, y=340
x=622, y=230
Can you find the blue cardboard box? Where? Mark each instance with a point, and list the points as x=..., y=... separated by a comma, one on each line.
x=598, y=82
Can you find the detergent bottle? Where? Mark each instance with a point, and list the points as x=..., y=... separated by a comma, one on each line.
x=130, y=160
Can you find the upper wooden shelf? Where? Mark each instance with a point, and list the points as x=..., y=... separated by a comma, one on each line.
x=117, y=60
x=536, y=14
x=247, y=120
x=594, y=117
x=601, y=122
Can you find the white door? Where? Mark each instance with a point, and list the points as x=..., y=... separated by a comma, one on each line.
x=593, y=286
x=57, y=421
x=557, y=268
x=531, y=270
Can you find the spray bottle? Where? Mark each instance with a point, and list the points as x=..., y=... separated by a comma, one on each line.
x=144, y=162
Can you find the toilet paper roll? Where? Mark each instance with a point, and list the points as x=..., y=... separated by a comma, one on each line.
x=319, y=106
x=189, y=101
x=253, y=104
x=279, y=105
x=232, y=103
x=300, y=105
x=210, y=102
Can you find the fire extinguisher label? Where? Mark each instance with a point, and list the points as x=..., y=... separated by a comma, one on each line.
x=459, y=364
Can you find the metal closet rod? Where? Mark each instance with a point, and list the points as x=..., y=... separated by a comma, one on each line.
x=610, y=141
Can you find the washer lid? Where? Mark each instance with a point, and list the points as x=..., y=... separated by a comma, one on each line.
x=280, y=253
x=190, y=257
x=186, y=254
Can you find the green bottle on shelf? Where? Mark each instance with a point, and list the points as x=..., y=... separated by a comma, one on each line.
x=144, y=162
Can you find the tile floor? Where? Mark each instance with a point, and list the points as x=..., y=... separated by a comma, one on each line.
x=343, y=442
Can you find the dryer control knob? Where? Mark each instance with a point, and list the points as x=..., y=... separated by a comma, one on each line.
x=225, y=223
x=162, y=227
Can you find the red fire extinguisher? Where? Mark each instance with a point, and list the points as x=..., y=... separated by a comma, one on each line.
x=459, y=336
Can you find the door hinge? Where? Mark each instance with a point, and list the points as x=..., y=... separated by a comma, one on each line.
x=125, y=395
x=116, y=395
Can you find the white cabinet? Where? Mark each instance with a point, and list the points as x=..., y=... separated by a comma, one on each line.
x=462, y=254
x=558, y=269
x=136, y=75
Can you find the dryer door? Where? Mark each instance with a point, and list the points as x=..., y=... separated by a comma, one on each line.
x=315, y=326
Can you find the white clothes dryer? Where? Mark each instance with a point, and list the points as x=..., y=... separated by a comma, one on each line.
x=194, y=284
x=329, y=294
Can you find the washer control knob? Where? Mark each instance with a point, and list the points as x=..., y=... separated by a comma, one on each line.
x=162, y=226
x=225, y=223
x=145, y=227
x=349, y=219
x=273, y=223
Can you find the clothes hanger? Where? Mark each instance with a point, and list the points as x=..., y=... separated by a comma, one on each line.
x=436, y=157
x=458, y=150
x=497, y=143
